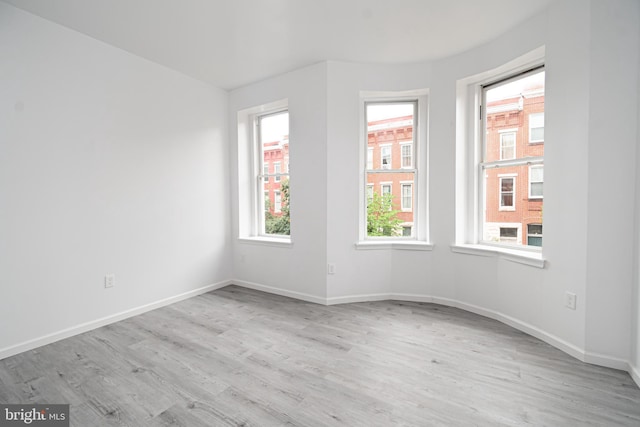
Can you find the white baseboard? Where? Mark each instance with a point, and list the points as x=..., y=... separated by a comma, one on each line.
x=93, y=324
x=279, y=291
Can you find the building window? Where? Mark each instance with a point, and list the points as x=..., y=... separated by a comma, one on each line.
x=534, y=234
x=507, y=146
x=406, y=152
x=273, y=142
x=536, y=181
x=407, y=197
x=277, y=171
x=385, y=157
x=509, y=106
x=536, y=127
x=391, y=202
x=507, y=193
x=508, y=234
x=385, y=189
x=277, y=204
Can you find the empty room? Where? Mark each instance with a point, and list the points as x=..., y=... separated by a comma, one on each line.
x=320, y=213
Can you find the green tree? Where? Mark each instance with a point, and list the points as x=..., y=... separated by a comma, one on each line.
x=279, y=224
x=382, y=219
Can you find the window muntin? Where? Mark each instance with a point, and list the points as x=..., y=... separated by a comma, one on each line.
x=273, y=147
x=506, y=153
x=392, y=138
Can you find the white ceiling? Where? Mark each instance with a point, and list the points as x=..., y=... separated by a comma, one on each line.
x=230, y=43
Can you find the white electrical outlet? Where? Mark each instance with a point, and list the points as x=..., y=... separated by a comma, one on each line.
x=109, y=280
x=331, y=269
x=570, y=300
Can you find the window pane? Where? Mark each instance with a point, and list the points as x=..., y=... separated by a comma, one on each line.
x=274, y=146
x=512, y=180
x=390, y=130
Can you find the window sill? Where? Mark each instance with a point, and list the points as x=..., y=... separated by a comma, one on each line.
x=266, y=241
x=408, y=245
x=533, y=259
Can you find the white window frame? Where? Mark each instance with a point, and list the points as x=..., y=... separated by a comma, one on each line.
x=251, y=199
x=277, y=201
x=470, y=177
x=386, y=184
x=402, y=156
x=370, y=158
x=419, y=239
x=502, y=177
x=383, y=148
x=534, y=119
x=502, y=135
x=277, y=171
x=404, y=184
x=534, y=235
x=531, y=181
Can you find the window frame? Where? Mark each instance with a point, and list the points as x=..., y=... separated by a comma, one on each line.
x=529, y=120
x=419, y=239
x=402, y=156
x=515, y=141
x=531, y=167
x=501, y=206
x=469, y=178
x=404, y=184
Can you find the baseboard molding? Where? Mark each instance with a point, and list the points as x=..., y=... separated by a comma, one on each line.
x=607, y=361
x=88, y=326
x=279, y=291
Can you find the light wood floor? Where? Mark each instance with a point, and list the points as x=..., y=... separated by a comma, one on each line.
x=240, y=357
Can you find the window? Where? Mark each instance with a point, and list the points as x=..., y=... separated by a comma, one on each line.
x=507, y=146
x=406, y=152
x=534, y=234
x=407, y=197
x=273, y=142
x=536, y=181
x=508, y=107
x=277, y=204
x=385, y=157
x=391, y=130
x=508, y=234
x=507, y=191
x=276, y=171
x=536, y=127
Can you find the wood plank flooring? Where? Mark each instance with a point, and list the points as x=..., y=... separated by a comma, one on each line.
x=238, y=357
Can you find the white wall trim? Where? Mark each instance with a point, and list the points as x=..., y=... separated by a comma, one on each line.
x=279, y=291
x=94, y=324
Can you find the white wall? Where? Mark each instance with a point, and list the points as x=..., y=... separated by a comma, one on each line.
x=108, y=164
x=299, y=269
x=635, y=326
x=613, y=107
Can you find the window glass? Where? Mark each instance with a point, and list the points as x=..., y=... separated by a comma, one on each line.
x=511, y=166
x=274, y=145
x=390, y=173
